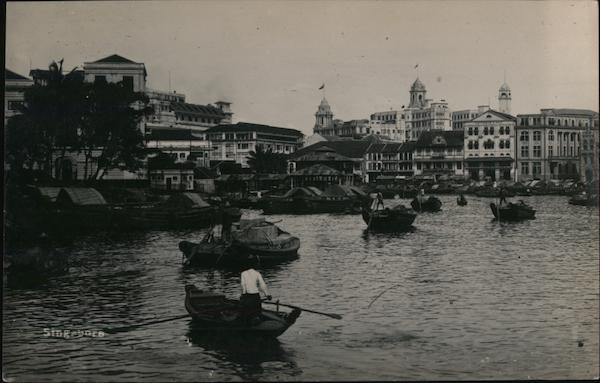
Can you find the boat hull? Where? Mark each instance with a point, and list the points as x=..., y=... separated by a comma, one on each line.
x=214, y=313
x=432, y=204
x=513, y=212
x=389, y=220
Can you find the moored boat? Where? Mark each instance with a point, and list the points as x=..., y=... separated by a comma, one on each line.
x=215, y=313
x=461, y=201
x=431, y=204
x=513, y=211
x=584, y=199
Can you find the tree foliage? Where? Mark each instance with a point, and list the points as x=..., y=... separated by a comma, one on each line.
x=267, y=162
x=67, y=114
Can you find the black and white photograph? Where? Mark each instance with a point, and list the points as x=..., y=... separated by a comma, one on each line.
x=303, y=190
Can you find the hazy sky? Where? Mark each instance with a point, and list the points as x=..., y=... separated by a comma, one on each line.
x=269, y=58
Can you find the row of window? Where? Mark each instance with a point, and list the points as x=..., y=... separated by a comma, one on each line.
x=438, y=165
x=474, y=131
x=186, y=117
x=536, y=121
x=536, y=168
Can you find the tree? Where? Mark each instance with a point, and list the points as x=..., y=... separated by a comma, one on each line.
x=99, y=120
x=267, y=162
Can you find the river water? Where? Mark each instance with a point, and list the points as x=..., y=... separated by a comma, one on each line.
x=459, y=297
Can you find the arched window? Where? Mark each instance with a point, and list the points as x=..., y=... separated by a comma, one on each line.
x=507, y=130
x=551, y=135
x=470, y=131
x=507, y=144
x=485, y=131
x=501, y=144
x=491, y=130
x=470, y=144
x=502, y=130
x=476, y=131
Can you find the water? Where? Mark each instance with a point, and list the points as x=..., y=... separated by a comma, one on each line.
x=460, y=297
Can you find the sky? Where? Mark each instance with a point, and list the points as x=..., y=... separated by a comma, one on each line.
x=269, y=58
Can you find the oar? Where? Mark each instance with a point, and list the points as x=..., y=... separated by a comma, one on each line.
x=334, y=316
x=131, y=327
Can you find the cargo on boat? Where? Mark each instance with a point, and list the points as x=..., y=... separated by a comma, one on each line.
x=256, y=237
x=397, y=218
x=310, y=200
x=513, y=211
x=215, y=313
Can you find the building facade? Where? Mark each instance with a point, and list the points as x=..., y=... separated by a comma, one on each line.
x=388, y=124
x=439, y=152
x=589, y=153
x=233, y=142
x=14, y=93
x=116, y=68
x=549, y=143
x=324, y=119
x=388, y=160
x=460, y=117
x=423, y=114
x=489, y=144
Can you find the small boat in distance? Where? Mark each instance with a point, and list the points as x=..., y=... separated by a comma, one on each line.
x=215, y=313
x=461, y=200
x=513, y=211
x=584, y=199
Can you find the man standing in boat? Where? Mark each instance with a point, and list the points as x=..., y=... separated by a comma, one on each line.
x=252, y=282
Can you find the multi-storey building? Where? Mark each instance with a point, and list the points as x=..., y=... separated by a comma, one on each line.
x=388, y=159
x=439, y=152
x=489, y=144
x=14, y=93
x=116, y=68
x=590, y=153
x=460, y=117
x=324, y=119
x=388, y=124
x=549, y=143
x=233, y=142
x=423, y=114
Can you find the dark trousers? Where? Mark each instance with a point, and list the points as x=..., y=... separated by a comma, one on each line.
x=251, y=305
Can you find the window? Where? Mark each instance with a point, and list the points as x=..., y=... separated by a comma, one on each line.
x=470, y=131
x=537, y=168
x=507, y=130
x=501, y=144
x=459, y=165
x=476, y=131
x=181, y=155
x=470, y=144
x=491, y=130
x=524, y=135
x=15, y=105
x=485, y=131
x=551, y=135
x=525, y=168
x=537, y=151
x=550, y=151
x=99, y=79
x=525, y=151
x=507, y=144
x=502, y=130
x=476, y=145
x=537, y=135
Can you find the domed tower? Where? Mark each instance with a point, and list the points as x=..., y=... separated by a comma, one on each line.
x=417, y=94
x=504, y=99
x=323, y=117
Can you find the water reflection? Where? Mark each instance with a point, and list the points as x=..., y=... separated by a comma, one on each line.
x=248, y=355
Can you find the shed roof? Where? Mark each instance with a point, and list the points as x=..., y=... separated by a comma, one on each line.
x=250, y=127
x=354, y=149
x=81, y=196
x=204, y=110
x=316, y=170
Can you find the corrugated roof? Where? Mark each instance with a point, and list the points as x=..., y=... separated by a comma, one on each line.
x=453, y=138
x=354, y=149
x=82, y=196
x=250, y=127
x=202, y=110
x=573, y=112
x=316, y=170
x=10, y=75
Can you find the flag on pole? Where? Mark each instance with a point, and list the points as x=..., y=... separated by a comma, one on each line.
x=416, y=66
x=322, y=86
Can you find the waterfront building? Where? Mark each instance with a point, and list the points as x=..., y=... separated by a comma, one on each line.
x=14, y=93
x=166, y=174
x=388, y=124
x=439, y=152
x=326, y=125
x=391, y=159
x=180, y=143
x=233, y=142
x=489, y=144
x=115, y=68
x=549, y=143
x=590, y=154
x=423, y=114
x=345, y=156
x=460, y=117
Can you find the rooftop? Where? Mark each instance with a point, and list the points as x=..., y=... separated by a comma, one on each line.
x=10, y=75
x=205, y=110
x=354, y=149
x=432, y=138
x=250, y=127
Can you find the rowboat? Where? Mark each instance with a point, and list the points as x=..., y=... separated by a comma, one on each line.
x=397, y=218
x=513, y=211
x=215, y=313
x=461, y=201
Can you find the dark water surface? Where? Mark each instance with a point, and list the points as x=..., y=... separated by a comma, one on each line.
x=463, y=298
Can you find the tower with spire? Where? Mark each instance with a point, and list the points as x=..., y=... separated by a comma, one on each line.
x=504, y=98
x=417, y=95
x=323, y=118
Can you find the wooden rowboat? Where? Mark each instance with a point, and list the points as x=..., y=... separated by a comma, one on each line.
x=214, y=313
x=513, y=211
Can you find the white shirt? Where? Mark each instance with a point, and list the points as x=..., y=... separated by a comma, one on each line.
x=252, y=281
